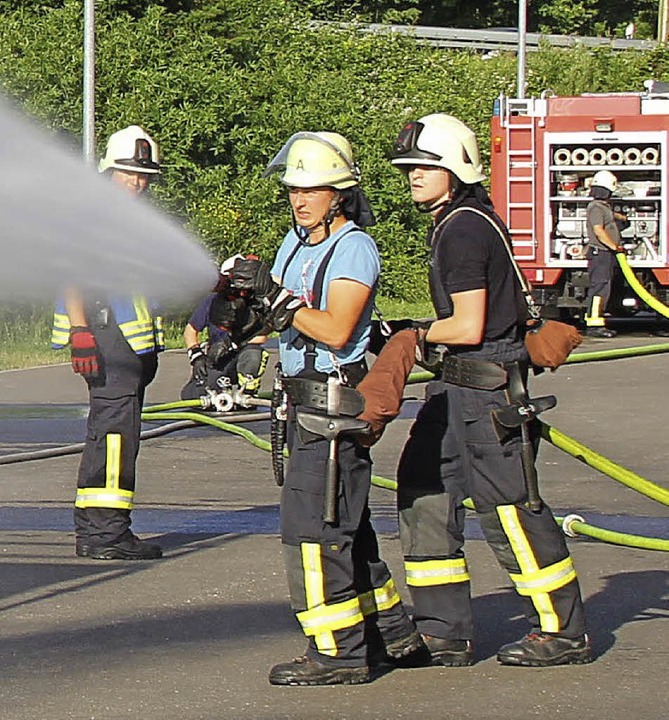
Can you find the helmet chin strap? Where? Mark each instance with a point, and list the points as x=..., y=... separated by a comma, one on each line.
x=303, y=234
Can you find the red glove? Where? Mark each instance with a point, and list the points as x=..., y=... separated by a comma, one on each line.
x=84, y=352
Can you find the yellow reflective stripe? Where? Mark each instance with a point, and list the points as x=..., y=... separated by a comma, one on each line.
x=321, y=620
x=60, y=332
x=159, y=331
x=379, y=599
x=425, y=573
x=314, y=587
x=142, y=343
x=312, y=566
x=527, y=562
x=545, y=580
x=329, y=618
x=141, y=308
x=103, y=498
x=113, y=464
x=595, y=319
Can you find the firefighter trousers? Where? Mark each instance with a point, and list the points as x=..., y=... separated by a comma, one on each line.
x=341, y=590
x=106, y=478
x=454, y=452
x=244, y=368
x=601, y=267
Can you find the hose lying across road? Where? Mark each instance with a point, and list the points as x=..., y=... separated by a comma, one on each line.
x=183, y=415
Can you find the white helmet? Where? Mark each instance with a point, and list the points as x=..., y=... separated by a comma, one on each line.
x=131, y=149
x=605, y=179
x=316, y=159
x=442, y=141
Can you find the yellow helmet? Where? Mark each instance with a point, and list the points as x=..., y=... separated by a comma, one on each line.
x=131, y=149
x=316, y=159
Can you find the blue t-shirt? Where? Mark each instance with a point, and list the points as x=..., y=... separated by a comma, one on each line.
x=355, y=258
x=200, y=319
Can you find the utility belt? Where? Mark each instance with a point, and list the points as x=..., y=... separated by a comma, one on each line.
x=518, y=413
x=324, y=410
x=327, y=397
x=472, y=373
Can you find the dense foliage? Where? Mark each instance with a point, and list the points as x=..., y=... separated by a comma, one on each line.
x=223, y=83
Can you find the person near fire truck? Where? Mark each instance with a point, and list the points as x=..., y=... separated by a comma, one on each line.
x=319, y=294
x=457, y=448
x=114, y=343
x=604, y=241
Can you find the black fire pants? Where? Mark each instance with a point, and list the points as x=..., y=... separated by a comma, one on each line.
x=340, y=589
x=601, y=267
x=454, y=452
x=106, y=479
x=244, y=368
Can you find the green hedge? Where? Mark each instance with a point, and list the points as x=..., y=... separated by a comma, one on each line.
x=224, y=85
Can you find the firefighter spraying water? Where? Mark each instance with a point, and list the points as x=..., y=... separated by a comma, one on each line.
x=62, y=224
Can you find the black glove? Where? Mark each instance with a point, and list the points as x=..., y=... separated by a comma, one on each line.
x=280, y=305
x=198, y=361
x=218, y=351
x=382, y=330
x=282, y=309
x=241, y=317
x=255, y=277
x=427, y=355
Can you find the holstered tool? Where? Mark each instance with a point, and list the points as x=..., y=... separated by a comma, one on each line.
x=277, y=433
x=331, y=429
x=519, y=413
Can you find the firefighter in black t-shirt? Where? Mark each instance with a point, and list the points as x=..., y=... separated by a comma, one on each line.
x=457, y=449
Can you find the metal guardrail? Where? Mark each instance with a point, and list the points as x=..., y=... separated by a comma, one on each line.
x=500, y=39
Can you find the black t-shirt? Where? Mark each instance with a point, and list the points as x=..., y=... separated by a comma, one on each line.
x=469, y=254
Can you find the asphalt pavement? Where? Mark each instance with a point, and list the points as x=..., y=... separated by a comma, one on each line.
x=192, y=636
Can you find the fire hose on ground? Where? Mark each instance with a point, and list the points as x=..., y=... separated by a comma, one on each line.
x=183, y=414
x=639, y=289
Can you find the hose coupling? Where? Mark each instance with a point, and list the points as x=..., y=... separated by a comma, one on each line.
x=568, y=521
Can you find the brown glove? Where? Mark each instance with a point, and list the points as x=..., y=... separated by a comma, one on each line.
x=383, y=386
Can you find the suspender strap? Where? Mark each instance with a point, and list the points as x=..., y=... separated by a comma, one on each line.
x=532, y=307
x=303, y=340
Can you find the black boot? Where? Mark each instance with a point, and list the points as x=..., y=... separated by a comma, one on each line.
x=305, y=671
x=451, y=653
x=407, y=651
x=600, y=332
x=82, y=543
x=539, y=650
x=110, y=537
x=128, y=547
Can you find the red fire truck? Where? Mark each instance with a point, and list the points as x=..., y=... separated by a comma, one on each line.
x=544, y=153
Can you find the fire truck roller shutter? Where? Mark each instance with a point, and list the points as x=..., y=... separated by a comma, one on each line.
x=614, y=156
x=580, y=156
x=632, y=156
x=650, y=156
x=598, y=156
x=562, y=156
